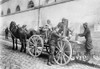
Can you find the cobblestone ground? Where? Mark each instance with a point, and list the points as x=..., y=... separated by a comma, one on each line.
x=10, y=59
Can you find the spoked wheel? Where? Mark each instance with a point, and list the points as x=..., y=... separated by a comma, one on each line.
x=63, y=52
x=35, y=45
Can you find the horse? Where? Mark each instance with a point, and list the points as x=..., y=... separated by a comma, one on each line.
x=14, y=34
x=21, y=34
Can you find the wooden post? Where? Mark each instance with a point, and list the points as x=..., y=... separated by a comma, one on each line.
x=65, y=27
x=39, y=14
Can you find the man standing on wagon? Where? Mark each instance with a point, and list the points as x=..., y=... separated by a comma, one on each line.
x=63, y=28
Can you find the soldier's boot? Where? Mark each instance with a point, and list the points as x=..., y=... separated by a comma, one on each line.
x=52, y=54
x=52, y=61
x=49, y=61
x=88, y=56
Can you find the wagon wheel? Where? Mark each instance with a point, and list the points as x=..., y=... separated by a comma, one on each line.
x=35, y=45
x=63, y=52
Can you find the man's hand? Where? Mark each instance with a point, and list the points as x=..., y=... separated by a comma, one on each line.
x=46, y=40
x=62, y=37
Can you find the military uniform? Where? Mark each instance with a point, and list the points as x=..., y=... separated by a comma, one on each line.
x=88, y=43
x=61, y=28
x=53, y=41
x=54, y=37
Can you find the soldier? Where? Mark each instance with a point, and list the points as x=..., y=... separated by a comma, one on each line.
x=54, y=37
x=87, y=35
x=49, y=24
x=52, y=43
x=6, y=33
x=63, y=26
x=47, y=29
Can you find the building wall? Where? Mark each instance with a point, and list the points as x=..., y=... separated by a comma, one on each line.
x=56, y=13
x=97, y=27
x=12, y=4
x=23, y=18
x=26, y=15
x=75, y=11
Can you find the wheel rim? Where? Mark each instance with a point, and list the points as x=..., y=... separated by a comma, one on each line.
x=63, y=52
x=35, y=45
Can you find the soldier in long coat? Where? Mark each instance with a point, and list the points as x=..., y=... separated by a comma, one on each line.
x=87, y=35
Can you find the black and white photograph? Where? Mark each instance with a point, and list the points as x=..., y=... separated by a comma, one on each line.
x=49, y=34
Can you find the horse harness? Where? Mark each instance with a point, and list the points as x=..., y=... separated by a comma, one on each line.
x=12, y=33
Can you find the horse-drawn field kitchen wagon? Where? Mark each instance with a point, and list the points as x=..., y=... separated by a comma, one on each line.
x=65, y=49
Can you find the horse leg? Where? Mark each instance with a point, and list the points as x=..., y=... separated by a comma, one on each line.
x=7, y=35
x=13, y=42
x=21, y=46
x=16, y=45
x=24, y=45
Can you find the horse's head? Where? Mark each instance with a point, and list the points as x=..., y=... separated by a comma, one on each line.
x=12, y=25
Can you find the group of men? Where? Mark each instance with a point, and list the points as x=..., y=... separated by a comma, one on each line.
x=62, y=30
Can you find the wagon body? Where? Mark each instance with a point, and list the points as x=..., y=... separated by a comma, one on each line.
x=64, y=51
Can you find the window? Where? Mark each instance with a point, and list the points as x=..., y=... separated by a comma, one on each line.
x=8, y=11
x=30, y=4
x=18, y=8
x=2, y=13
x=47, y=1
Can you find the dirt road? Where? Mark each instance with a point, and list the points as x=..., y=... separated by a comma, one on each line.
x=11, y=59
